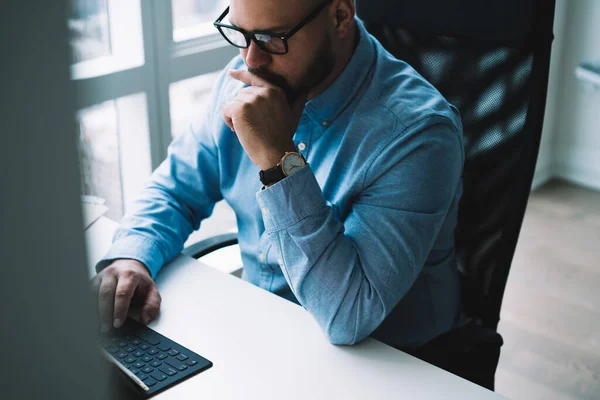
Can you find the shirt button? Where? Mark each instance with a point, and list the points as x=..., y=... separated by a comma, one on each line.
x=325, y=124
x=301, y=146
x=261, y=257
x=265, y=212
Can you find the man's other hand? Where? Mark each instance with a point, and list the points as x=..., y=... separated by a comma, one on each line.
x=122, y=284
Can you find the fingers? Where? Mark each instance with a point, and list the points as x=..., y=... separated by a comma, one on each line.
x=231, y=109
x=151, y=305
x=250, y=78
x=96, y=281
x=245, y=98
x=255, y=90
x=126, y=287
x=229, y=123
x=106, y=301
x=271, y=93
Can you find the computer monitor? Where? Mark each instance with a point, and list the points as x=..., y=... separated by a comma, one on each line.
x=48, y=332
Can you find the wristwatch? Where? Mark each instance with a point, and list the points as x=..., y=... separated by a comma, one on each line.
x=290, y=163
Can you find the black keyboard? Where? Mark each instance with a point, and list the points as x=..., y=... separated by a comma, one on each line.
x=154, y=359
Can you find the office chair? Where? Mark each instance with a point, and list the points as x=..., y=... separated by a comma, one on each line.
x=490, y=59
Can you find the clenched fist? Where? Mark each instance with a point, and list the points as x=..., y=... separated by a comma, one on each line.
x=263, y=119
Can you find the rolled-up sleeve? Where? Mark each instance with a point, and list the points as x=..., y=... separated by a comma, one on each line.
x=350, y=274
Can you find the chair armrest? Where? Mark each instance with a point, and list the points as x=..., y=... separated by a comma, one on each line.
x=211, y=244
x=471, y=352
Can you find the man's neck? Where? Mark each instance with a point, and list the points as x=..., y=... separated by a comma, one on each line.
x=348, y=50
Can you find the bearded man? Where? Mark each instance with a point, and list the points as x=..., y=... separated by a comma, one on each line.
x=343, y=166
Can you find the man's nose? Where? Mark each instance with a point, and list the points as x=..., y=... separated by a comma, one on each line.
x=255, y=57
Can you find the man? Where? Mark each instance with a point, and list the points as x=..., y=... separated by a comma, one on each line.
x=342, y=164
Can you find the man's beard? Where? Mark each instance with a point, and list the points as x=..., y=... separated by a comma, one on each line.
x=317, y=72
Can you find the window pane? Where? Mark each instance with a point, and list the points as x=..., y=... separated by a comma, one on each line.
x=106, y=36
x=99, y=156
x=188, y=99
x=114, y=151
x=194, y=18
x=88, y=26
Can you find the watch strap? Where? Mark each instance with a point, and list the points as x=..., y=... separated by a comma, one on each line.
x=272, y=175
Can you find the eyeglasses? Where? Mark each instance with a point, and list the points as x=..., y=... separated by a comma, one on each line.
x=270, y=42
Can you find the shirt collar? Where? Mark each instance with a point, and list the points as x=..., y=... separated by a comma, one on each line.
x=327, y=106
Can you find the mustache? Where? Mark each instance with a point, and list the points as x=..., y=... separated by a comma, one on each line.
x=276, y=80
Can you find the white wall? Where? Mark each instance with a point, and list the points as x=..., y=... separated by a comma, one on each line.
x=577, y=139
x=545, y=163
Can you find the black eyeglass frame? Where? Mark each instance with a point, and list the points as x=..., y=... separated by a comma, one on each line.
x=251, y=35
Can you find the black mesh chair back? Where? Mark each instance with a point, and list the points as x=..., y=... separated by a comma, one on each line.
x=490, y=58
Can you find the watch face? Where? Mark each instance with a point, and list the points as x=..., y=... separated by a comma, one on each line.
x=292, y=163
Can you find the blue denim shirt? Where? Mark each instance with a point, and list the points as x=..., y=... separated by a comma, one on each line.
x=361, y=235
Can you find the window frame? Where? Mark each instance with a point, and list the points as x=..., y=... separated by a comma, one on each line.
x=164, y=62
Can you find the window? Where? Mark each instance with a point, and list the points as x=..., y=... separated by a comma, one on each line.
x=114, y=151
x=142, y=70
x=99, y=156
x=88, y=25
x=106, y=36
x=194, y=18
x=187, y=99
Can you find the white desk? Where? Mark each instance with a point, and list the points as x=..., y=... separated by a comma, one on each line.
x=264, y=347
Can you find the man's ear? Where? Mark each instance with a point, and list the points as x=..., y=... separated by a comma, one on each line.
x=344, y=16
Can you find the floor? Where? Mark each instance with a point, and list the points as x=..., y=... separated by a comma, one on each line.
x=551, y=309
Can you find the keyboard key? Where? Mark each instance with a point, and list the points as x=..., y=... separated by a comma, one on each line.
x=149, y=356
x=112, y=349
x=150, y=382
x=176, y=364
x=168, y=370
x=164, y=346
x=148, y=336
x=159, y=376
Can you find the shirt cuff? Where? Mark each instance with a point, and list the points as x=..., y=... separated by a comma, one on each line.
x=290, y=200
x=134, y=247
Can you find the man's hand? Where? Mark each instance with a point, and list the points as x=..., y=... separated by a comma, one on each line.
x=125, y=283
x=262, y=119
